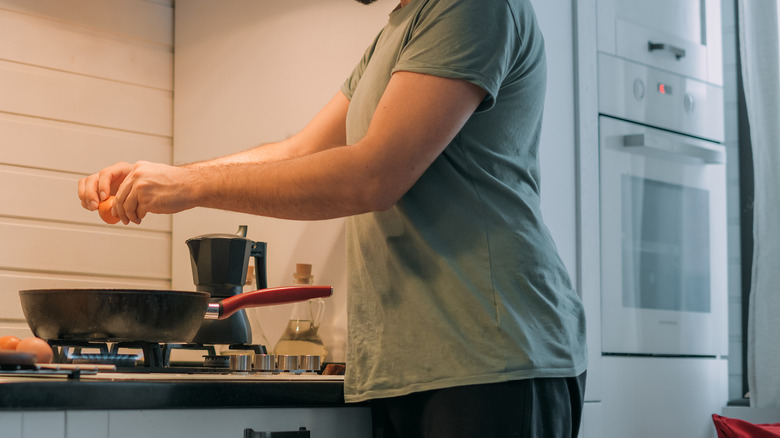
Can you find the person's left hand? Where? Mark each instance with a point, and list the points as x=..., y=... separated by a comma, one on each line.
x=154, y=188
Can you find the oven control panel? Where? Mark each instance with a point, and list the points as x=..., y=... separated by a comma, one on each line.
x=654, y=97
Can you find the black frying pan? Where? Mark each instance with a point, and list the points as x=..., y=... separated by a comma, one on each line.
x=117, y=315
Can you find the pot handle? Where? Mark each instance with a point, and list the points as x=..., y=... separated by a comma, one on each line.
x=266, y=297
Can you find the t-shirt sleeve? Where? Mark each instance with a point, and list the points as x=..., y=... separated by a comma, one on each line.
x=349, y=85
x=476, y=41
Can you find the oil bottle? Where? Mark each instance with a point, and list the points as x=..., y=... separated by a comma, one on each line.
x=301, y=336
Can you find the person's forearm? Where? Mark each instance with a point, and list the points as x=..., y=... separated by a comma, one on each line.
x=265, y=153
x=325, y=185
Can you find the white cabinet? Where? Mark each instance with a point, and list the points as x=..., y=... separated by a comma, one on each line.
x=592, y=421
x=348, y=422
x=32, y=425
x=322, y=422
x=11, y=424
x=690, y=32
x=87, y=424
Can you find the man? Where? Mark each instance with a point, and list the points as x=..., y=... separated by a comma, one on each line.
x=462, y=318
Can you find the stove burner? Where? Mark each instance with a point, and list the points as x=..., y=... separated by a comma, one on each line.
x=216, y=361
x=153, y=357
x=120, y=360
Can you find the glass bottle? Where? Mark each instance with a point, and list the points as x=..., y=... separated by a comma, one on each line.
x=301, y=336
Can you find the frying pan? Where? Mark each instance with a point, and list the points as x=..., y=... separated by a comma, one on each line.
x=119, y=315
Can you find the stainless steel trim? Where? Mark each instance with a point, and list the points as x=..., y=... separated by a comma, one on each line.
x=213, y=311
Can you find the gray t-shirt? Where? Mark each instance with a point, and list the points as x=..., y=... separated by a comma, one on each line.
x=460, y=282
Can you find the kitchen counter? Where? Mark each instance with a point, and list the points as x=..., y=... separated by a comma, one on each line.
x=169, y=392
x=177, y=406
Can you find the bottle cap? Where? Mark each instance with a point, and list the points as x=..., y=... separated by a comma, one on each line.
x=302, y=273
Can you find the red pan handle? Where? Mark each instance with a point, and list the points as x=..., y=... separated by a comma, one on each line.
x=266, y=297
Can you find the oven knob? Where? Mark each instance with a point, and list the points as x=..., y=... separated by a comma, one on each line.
x=639, y=89
x=688, y=103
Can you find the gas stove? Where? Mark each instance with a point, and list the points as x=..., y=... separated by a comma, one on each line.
x=144, y=361
x=149, y=357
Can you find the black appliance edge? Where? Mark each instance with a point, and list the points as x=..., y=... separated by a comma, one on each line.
x=119, y=395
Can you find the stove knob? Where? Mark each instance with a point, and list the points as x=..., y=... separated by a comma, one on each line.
x=240, y=362
x=287, y=363
x=265, y=362
x=310, y=364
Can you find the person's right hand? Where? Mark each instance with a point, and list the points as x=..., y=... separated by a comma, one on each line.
x=98, y=187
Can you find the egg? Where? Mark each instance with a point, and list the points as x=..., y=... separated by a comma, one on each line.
x=37, y=346
x=104, y=210
x=9, y=342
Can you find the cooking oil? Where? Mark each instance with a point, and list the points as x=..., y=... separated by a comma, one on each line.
x=301, y=335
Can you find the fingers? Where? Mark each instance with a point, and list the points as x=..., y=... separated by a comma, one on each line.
x=125, y=206
x=98, y=187
x=88, y=192
x=137, y=189
x=126, y=202
x=105, y=179
x=121, y=204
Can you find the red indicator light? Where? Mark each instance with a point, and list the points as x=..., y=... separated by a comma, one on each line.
x=661, y=88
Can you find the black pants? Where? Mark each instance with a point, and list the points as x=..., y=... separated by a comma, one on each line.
x=544, y=408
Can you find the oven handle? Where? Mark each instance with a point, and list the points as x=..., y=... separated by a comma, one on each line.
x=678, y=52
x=688, y=147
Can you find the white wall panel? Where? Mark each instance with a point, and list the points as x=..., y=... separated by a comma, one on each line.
x=40, y=246
x=83, y=84
x=53, y=145
x=136, y=19
x=47, y=195
x=82, y=99
x=67, y=47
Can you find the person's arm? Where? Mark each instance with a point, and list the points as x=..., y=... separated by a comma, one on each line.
x=327, y=129
x=417, y=117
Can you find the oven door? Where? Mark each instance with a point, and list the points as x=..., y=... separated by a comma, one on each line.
x=663, y=242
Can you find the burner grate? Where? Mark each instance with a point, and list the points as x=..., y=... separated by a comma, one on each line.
x=153, y=357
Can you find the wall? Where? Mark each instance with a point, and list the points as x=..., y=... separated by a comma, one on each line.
x=253, y=72
x=83, y=84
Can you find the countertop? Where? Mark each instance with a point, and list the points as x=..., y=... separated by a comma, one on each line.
x=108, y=392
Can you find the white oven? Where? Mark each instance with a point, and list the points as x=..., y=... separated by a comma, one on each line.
x=663, y=212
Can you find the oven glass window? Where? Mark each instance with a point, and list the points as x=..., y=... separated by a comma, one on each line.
x=666, y=246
